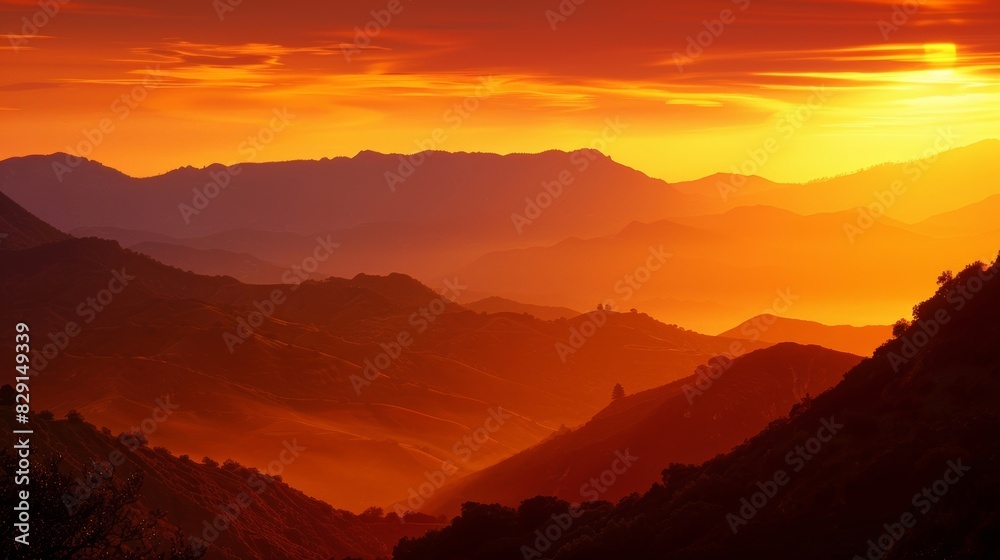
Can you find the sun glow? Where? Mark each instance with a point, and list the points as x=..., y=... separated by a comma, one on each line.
x=940, y=54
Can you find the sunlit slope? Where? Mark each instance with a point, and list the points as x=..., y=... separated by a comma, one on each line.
x=688, y=421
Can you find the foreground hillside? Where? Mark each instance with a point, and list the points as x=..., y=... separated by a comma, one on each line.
x=227, y=511
x=771, y=328
x=688, y=421
x=900, y=460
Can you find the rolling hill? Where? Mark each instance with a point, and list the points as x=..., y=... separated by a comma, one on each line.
x=975, y=219
x=742, y=263
x=688, y=421
x=214, y=262
x=259, y=515
x=861, y=341
x=944, y=180
x=899, y=458
x=380, y=376
x=500, y=305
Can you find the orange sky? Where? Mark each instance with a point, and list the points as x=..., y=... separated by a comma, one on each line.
x=886, y=90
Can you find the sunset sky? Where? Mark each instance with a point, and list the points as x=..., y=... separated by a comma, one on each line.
x=224, y=69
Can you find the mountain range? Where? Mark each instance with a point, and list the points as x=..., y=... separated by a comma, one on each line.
x=899, y=460
x=496, y=219
x=382, y=377
x=467, y=383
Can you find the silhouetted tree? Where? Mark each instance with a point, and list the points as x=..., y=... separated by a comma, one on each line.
x=107, y=524
x=800, y=407
x=618, y=392
x=373, y=514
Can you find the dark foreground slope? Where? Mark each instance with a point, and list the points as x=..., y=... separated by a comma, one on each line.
x=898, y=461
x=690, y=420
x=225, y=512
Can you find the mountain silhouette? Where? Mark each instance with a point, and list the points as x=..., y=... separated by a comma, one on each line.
x=900, y=457
x=771, y=328
x=975, y=219
x=230, y=511
x=213, y=262
x=491, y=218
x=946, y=179
x=501, y=305
x=688, y=421
x=323, y=360
x=472, y=191
x=724, y=268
